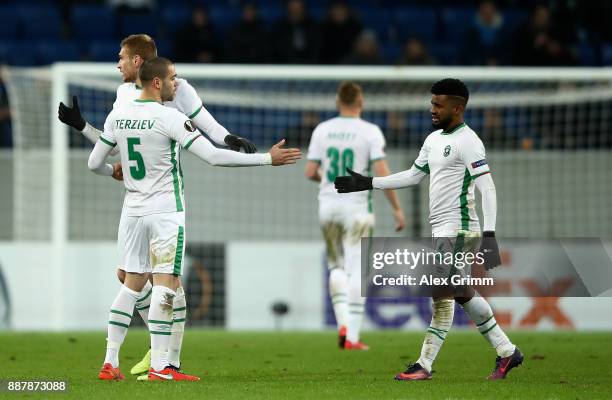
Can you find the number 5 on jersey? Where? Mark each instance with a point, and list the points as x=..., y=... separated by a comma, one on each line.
x=138, y=172
x=345, y=161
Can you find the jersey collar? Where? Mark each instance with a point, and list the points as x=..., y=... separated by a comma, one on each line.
x=453, y=130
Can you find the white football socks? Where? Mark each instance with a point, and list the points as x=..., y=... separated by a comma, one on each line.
x=119, y=320
x=160, y=325
x=178, y=328
x=479, y=311
x=144, y=301
x=338, y=291
x=441, y=322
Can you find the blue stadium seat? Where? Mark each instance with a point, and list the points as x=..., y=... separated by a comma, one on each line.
x=52, y=51
x=270, y=14
x=92, y=22
x=587, y=55
x=606, y=54
x=455, y=22
x=9, y=25
x=140, y=23
x=390, y=52
x=22, y=53
x=514, y=18
x=224, y=18
x=106, y=50
x=444, y=53
x=173, y=18
x=379, y=21
x=40, y=22
x=417, y=22
x=4, y=51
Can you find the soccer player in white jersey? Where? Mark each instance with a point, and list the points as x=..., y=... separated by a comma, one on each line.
x=347, y=141
x=134, y=50
x=454, y=157
x=152, y=235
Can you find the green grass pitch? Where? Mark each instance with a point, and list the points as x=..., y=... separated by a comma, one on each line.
x=304, y=365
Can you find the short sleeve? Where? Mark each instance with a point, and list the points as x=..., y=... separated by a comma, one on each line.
x=186, y=99
x=314, y=148
x=377, y=145
x=121, y=93
x=108, y=136
x=473, y=156
x=422, y=161
x=182, y=129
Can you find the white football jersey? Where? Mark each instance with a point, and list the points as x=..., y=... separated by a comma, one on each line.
x=453, y=159
x=186, y=99
x=340, y=143
x=149, y=136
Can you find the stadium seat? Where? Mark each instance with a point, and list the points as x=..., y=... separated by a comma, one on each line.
x=416, y=22
x=103, y=50
x=40, y=22
x=378, y=20
x=138, y=23
x=445, y=54
x=92, y=22
x=455, y=22
x=53, y=51
x=270, y=14
x=390, y=52
x=606, y=54
x=22, y=53
x=9, y=25
x=514, y=19
x=224, y=18
x=172, y=18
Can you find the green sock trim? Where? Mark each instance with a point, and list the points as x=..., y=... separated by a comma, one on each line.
x=118, y=324
x=179, y=309
x=143, y=308
x=146, y=295
x=179, y=320
x=121, y=313
x=494, y=325
x=438, y=330
x=160, y=333
x=435, y=333
x=154, y=321
x=482, y=323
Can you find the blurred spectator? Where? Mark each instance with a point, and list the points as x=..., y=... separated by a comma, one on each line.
x=365, y=50
x=538, y=43
x=299, y=136
x=415, y=53
x=196, y=42
x=6, y=138
x=338, y=33
x=483, y=43
x=296, y=38
x=132, y=6
x=247, y=42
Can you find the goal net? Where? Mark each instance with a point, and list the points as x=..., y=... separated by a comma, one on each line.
x=548, y=135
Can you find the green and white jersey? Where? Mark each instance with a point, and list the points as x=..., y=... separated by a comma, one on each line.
x=186, y=99
x=453, y=159
x=149, y=136
x=340, y=143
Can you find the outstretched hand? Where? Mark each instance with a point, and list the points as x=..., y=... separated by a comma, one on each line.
x=117, y=171
x=282, y=156
x=353, y=183
x=71, y=115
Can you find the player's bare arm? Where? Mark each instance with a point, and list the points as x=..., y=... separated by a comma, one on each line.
x=312, y=171
x=381, y=168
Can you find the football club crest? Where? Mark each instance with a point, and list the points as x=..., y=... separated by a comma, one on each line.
x=447, y=150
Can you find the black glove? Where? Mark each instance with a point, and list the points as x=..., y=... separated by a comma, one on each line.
x=490, y=250
x=236, y=143
x=353, y=183
x=71, y=116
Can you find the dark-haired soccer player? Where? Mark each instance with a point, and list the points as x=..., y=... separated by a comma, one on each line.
x=454, y=157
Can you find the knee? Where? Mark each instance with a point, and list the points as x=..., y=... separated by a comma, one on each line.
x=121, y=275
